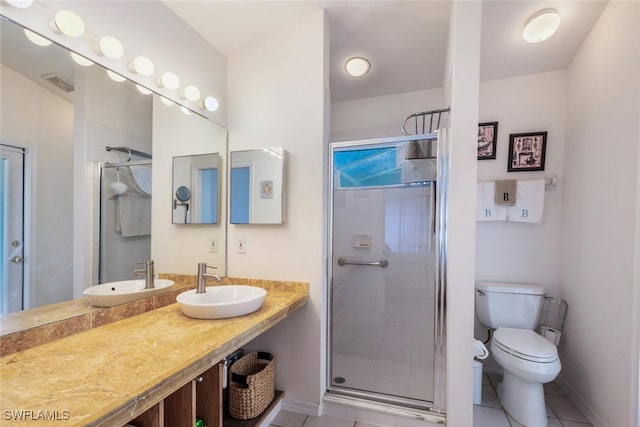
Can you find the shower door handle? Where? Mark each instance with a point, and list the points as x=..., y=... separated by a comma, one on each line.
x=382, y=263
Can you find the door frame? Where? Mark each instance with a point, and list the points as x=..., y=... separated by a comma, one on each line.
x=27, y=231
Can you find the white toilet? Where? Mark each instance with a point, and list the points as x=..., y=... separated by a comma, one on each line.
x=528, y=359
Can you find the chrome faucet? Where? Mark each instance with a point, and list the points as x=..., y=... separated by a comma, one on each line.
x=203, y=276
x=149, y=275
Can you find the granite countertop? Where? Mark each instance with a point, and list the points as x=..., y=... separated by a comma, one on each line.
x=109, y=375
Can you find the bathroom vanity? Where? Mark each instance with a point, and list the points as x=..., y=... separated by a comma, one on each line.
x=159, y=368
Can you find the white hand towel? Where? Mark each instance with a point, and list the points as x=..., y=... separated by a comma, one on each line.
x=486, y=208
x=530, y=202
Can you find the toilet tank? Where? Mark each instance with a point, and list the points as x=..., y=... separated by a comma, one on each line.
x=511, y=305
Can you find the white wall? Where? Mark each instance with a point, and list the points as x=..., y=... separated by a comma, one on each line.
x=462, y=76
x=380, y=116
x=523, y=252
x=34, y=118
x=277, y=98
x=600, y=232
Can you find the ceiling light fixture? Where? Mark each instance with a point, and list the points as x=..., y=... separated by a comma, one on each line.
x=168, y=80
x=357, y=66
x=190, y=93
x=22, y=4
x=541, y=26
x=109, y=47
x=81, y=60
x=141, y=65
x=210, y=103
x=36, y=39
x=67, y=23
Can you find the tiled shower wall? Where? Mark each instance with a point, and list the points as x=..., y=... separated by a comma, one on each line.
x=384, y=313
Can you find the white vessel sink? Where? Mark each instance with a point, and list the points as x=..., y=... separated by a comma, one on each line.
x=116, y=293
x=220, y=302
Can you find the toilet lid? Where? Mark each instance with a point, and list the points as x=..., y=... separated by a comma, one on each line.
x=525, y=344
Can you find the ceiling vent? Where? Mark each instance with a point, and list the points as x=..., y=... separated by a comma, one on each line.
x=59, y=82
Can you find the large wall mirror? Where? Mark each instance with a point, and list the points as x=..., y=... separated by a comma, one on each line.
x=87, y=209
x=256, y=186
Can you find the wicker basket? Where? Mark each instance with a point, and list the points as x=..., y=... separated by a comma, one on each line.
x=252, y=385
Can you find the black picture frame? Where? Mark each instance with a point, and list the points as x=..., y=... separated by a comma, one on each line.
x=527, y=151
x=487, y=137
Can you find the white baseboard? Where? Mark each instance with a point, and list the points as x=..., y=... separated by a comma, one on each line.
x=301, y=407
x=580, y=403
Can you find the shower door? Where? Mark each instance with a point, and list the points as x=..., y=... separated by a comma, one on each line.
x=382, y=302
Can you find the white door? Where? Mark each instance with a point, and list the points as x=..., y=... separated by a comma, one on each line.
x=12, y=160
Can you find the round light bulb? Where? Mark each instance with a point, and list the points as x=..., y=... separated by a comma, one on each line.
x=36, y=39
x=110, y=47
x=186, y=110
x=67, y=23
x=22, y=4
x=141, y=65
x=191, y=93
x=357, y=66
x=210, y=103
x=169, y=80
x=143, y=90
x=167, y=101
x=541, y=26
x=81, y=60
x=115, y=76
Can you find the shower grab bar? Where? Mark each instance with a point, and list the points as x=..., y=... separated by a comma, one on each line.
x=382, y=263
x=129, y=151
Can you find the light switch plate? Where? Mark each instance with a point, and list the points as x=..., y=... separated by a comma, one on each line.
x=241, y=246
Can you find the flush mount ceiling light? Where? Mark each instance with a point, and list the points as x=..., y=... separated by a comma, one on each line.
x=36, y=39
x=210, y=103
x=109, y=47
x=81, y=60
x=168, y=80
x=190, y=93
x=541, y=26
x=115, y=76
x=22, y=4
x=357, y=66
x=141, y=65
x=67, y=23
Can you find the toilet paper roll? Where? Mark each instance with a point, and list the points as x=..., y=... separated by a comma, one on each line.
x=479, y=350
x=552, y=335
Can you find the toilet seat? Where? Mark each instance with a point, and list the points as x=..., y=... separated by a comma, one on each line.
x=525, y=344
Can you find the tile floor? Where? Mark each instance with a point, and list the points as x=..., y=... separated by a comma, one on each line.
x=560, y=411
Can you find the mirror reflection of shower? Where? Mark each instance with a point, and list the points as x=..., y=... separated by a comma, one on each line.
x=125, y=215
x=183, y=195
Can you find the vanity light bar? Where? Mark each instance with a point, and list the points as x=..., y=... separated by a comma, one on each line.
x=70, y=24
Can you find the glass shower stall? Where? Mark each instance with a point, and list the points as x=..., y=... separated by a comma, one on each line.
x=386, y=276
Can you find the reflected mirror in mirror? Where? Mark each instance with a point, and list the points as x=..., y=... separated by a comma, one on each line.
x=56, y=120
x=257, y=186
x=196, y=187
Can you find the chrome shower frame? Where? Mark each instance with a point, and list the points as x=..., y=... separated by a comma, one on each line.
x=433, y=411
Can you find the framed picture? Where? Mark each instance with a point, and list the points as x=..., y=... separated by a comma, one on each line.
x=487, y=137
x=266, y=189
x=527, y=151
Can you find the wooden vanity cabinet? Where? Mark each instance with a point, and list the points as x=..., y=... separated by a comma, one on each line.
x=199, y=398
